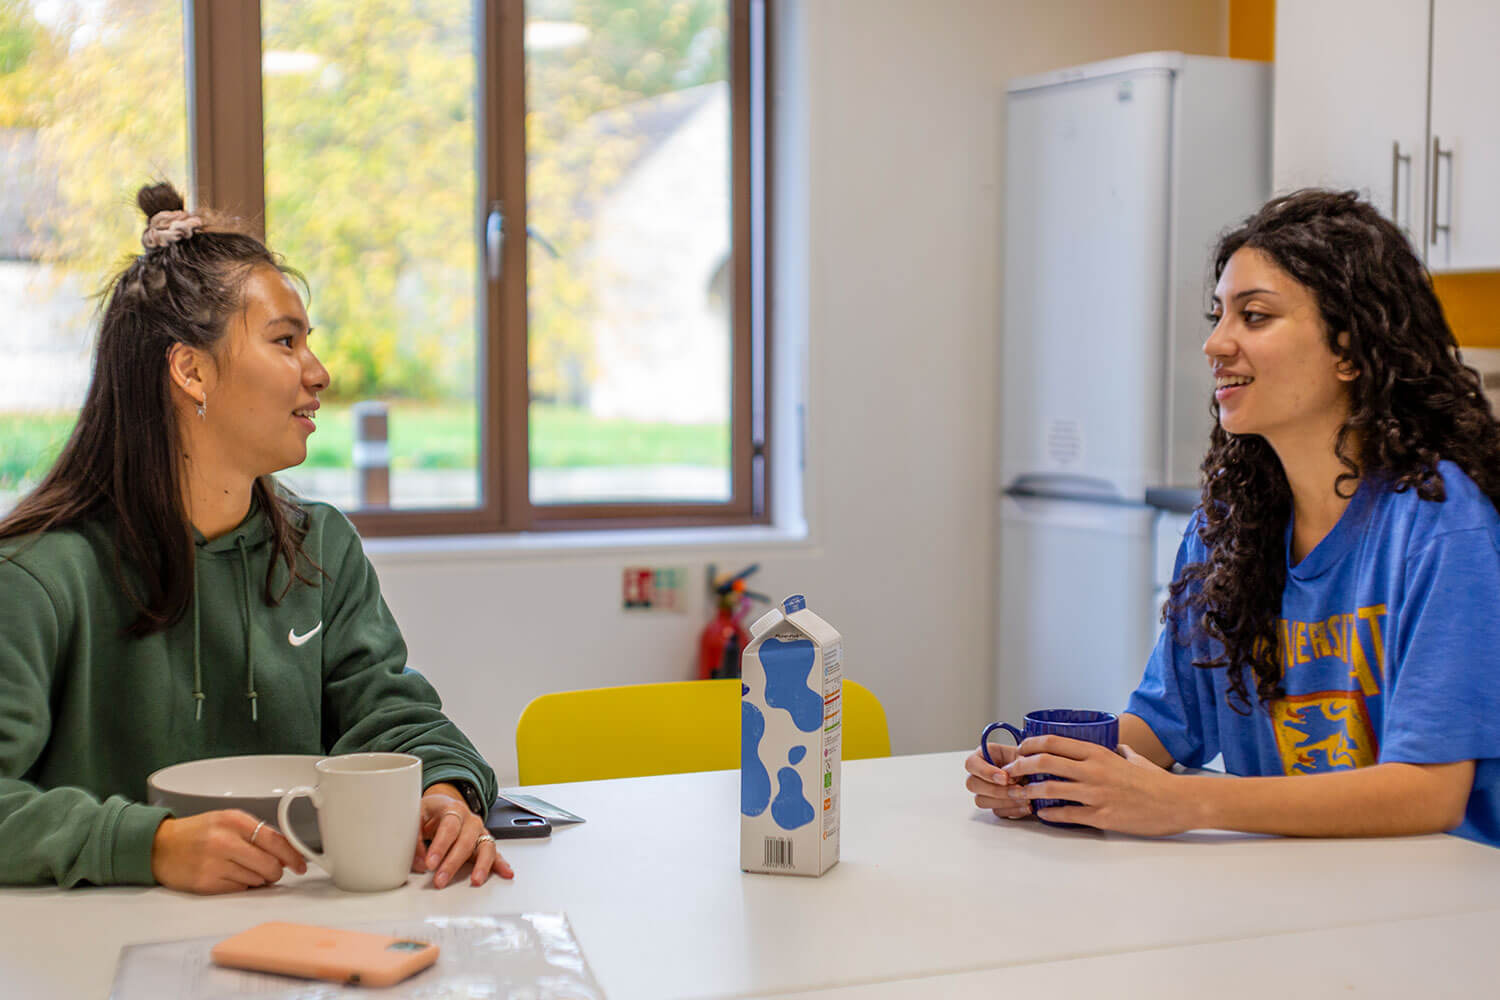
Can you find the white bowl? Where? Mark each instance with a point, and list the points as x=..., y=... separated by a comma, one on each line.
x=253, y=783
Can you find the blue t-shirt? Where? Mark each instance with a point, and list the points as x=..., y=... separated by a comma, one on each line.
x=1389, y=644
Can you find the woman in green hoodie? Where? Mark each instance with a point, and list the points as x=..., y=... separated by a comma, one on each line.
x=162, y=599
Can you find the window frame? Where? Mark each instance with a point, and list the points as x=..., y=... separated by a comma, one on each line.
x=227, y=161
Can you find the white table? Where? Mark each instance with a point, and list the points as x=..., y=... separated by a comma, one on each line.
x=1448, y=956
x=928, y=889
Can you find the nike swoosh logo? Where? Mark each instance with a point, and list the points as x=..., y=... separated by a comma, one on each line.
x=297, y=640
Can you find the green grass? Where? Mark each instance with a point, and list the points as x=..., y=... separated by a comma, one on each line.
x=426, y=436
x=563, y=438
x=423, y=436
x=29, y=444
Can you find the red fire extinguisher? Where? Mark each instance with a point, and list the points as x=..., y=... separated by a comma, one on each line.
x=724, y=638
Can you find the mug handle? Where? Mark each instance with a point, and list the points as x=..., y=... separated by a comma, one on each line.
x=321, y=860
x=984, y=738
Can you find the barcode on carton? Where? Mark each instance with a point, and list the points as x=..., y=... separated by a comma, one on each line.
x=778, y=852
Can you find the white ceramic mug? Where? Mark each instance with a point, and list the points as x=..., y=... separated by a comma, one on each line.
x=370, y=814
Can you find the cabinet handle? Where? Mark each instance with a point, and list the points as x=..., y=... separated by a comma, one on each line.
x=1437, y=154
x=1396, y=160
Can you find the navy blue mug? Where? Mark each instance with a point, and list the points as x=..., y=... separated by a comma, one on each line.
x=1102, y=728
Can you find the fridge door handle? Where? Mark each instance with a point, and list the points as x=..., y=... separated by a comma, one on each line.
x=1055, y=513
x=1063, y=486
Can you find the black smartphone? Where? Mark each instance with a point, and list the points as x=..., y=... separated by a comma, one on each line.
x=508, y=821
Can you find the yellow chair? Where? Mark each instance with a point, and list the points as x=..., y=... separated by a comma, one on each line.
x=641, y=729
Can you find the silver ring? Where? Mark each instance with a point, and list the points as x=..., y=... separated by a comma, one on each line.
x=256, y=830
x=452, y=812
x=483, y=838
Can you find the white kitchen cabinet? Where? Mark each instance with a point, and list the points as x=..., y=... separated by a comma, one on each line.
x=1396, y=99
x=1465, y=143
x=1351, y=102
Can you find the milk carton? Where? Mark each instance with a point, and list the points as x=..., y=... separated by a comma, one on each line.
x=791, y=742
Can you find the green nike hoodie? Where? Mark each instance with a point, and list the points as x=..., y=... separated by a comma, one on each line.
x=87, y=712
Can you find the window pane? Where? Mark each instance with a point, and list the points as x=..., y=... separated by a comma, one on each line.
x=370, y=160
x=92, y=105
x=628, y=265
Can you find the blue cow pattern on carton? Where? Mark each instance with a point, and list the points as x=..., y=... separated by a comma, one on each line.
x=791, y=808
x=755, y=782
x=788, y=665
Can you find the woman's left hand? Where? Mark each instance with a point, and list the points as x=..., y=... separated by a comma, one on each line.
x=1124, y=791
x=451, y=836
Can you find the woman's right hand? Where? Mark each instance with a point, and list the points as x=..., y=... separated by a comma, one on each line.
x=212, y=852
x=991, y=786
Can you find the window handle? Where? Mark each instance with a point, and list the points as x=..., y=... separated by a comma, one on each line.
x=534, y=233
x=494, y=239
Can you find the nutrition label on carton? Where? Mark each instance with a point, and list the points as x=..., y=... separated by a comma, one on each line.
x=833, y=731
x=833, y=695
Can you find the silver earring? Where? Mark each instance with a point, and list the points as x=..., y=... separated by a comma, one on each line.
x=203, y=407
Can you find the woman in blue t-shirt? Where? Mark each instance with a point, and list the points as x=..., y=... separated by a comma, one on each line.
x=1333, y=627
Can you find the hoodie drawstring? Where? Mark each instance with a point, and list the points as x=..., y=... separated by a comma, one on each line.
x=249, y=631
x=197, y=650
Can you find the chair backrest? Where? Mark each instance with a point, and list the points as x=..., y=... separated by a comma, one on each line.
x=641, y=729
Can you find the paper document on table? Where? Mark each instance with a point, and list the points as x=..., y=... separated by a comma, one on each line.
x=507, y=955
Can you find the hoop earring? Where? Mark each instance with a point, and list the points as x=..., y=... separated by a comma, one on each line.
x=203, y=407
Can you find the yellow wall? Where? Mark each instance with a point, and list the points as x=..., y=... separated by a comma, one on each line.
x=1252, y=29
x=1471, y=301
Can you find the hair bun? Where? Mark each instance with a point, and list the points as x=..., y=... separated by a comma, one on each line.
x=159, y=197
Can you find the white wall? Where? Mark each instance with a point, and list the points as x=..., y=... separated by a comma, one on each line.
x=890, y=240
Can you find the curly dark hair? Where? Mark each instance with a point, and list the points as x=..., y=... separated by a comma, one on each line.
x=1412, y=403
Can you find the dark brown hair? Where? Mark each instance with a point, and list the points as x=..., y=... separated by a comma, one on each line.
x=1412, y=404
x=122, y=462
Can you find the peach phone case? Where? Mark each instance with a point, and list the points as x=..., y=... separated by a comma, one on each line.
x=339, y=956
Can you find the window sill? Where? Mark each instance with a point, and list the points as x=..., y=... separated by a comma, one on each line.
x=529, y=545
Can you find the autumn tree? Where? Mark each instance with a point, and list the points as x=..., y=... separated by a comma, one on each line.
x=106, y=96
x=370, y=139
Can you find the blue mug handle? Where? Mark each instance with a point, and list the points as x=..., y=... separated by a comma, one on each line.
x=984, y=738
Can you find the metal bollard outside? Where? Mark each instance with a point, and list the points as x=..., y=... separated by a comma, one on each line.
x=372, y=454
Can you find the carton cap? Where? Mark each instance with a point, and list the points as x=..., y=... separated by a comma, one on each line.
x=766, y=622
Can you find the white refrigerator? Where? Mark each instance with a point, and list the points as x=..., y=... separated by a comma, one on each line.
x=1119, y=177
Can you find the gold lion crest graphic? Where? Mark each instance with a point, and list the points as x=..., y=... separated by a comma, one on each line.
x=1323, y=731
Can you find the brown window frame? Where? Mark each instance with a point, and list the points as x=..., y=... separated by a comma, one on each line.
x=227, y=158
